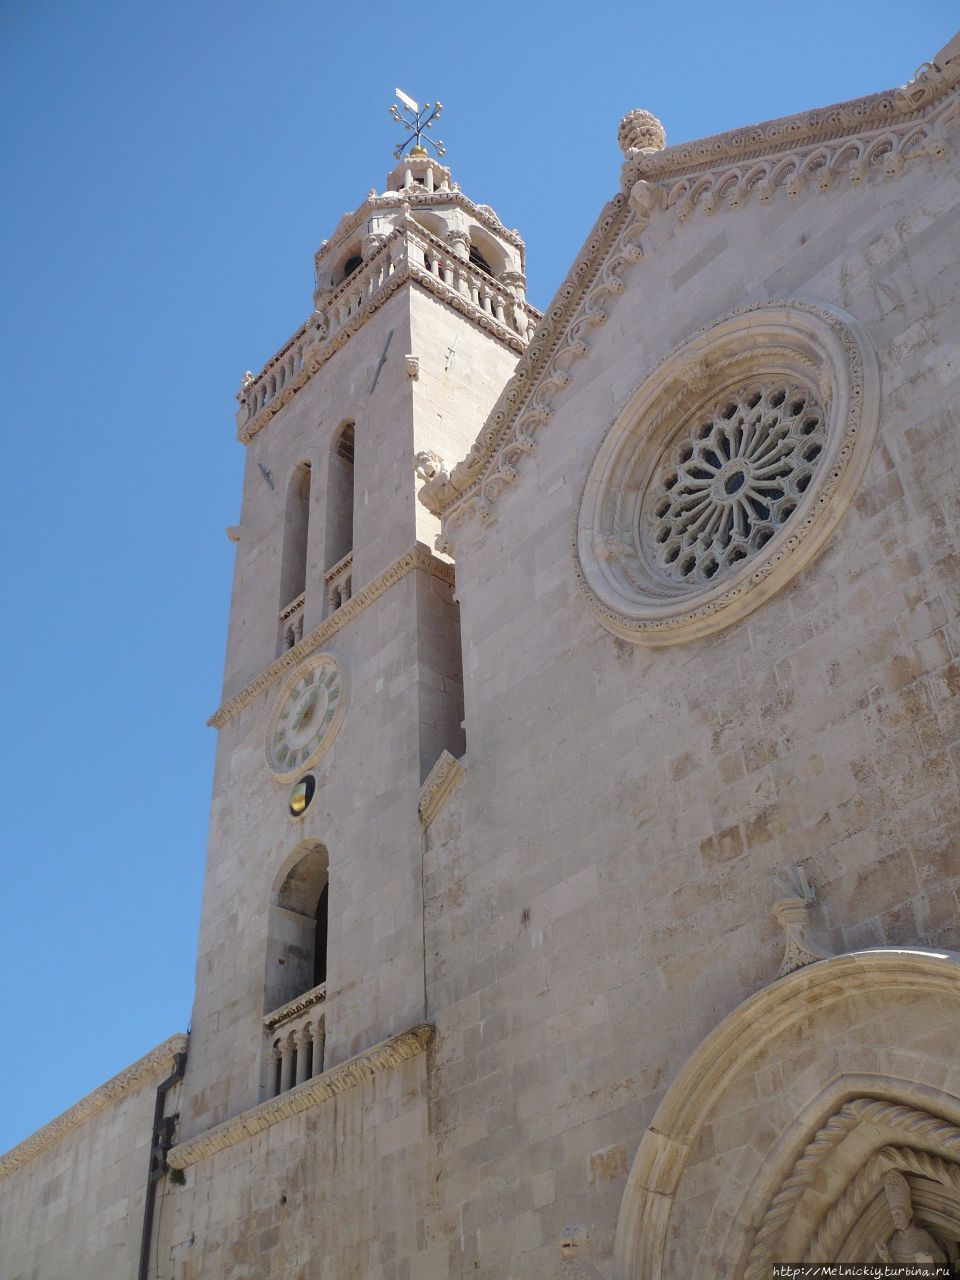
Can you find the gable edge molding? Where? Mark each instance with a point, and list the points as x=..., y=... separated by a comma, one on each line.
x=896, y=132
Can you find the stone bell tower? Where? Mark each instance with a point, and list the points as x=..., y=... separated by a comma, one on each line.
x=343, y=684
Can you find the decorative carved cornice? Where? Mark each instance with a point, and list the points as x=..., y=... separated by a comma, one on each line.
x=858, y=116
x=438, y=784
x=420, y=557
x=818, y=165
x=293, y=1008
x=153, y=1064
x=876, y=135
x=293, y=607
x=382, y=1057
x=543, y=370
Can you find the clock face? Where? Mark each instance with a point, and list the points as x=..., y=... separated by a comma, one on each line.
x=306, y=717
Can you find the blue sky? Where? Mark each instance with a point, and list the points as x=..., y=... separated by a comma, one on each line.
x=168, y=171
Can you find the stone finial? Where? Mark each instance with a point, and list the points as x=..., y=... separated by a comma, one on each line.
x=802, y=947
x=641, y=131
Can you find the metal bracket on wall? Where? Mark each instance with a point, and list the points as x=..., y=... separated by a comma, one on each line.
x=386, y=345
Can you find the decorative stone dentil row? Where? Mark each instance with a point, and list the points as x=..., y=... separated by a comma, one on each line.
x=293, y=1008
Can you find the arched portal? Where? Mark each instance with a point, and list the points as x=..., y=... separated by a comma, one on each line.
x=802, y=1122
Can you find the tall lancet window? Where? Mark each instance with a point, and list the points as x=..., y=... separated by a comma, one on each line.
x=293, y=566
x=339, y=540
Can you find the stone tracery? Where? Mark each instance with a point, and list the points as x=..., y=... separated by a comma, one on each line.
x=732, y=480
x=726, y=470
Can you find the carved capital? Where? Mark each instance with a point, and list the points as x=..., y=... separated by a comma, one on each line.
x=802, y=947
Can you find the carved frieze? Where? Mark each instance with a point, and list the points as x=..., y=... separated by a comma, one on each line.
x=365, y=1066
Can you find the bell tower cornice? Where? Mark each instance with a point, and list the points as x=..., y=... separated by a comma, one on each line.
x=423, y=230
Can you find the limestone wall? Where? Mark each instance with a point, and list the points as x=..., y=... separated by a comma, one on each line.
x=599, y=890
x=335, y=1193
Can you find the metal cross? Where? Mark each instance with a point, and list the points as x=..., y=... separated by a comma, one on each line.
x=416, y=119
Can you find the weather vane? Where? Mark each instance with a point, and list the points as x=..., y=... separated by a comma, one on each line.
x=417, y=120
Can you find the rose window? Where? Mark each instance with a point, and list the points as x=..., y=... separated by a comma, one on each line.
x=730, y=480
x=726, y=471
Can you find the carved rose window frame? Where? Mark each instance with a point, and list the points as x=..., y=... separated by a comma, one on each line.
x=815, y=350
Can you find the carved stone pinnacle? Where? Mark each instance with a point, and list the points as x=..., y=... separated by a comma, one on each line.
x=641, y=131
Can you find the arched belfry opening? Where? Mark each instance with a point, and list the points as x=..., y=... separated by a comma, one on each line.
x=294, y=990
x=298, y=925
x=293, y=563
x=478, y=260
x=485, y=253
x=338, y=558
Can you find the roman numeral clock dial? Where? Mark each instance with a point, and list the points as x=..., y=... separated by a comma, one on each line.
x=306, y=717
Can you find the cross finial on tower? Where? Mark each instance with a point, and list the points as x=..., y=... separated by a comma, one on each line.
x=416, y=119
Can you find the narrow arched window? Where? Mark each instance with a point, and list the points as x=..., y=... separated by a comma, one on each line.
x=296, y=527
x=293, y=564
x=339, y=531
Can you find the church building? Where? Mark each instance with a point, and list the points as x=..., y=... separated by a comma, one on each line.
x=583, y=886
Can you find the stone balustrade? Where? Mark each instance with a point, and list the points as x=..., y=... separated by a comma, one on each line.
x=296, y=1034
x=338, y=583
x=410, y=252
x=485, y=292
x=365, y=283
x=291, y=622
x=257, y=392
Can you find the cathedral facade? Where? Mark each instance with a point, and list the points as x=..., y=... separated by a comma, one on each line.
x=582, y=890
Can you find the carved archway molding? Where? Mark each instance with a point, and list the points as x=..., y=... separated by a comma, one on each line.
x=662, y=1155
x=934, y=1158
